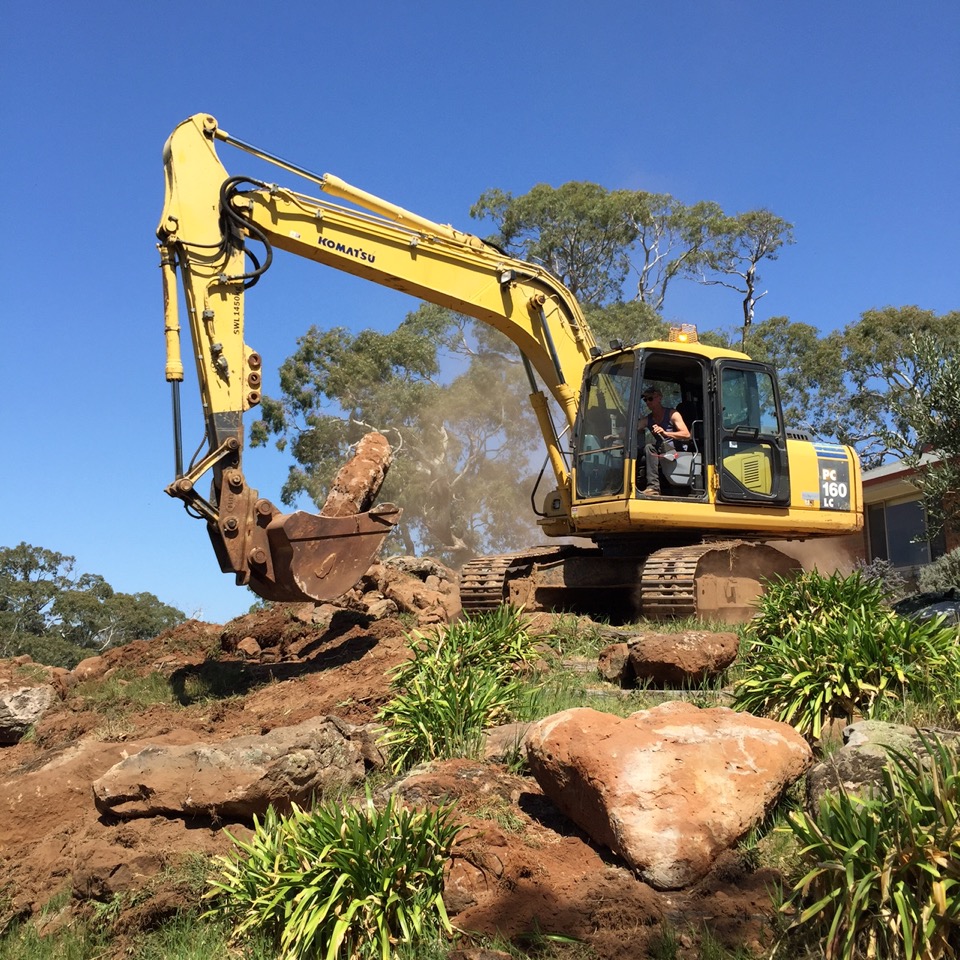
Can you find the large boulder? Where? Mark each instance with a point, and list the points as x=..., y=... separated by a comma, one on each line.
x=681, y=658
x=357, y=483
x=857, y=767
x=237, y=778
x=668, y=789
x=666, y=659
x=21, y=708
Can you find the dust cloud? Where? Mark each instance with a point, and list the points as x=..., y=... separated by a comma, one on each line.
x=829, y=555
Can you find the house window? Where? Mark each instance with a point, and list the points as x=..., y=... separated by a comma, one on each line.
x=895, y=531
x=906, y=522
x=877, y=531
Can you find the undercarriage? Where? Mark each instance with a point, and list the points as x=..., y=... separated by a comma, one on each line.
x=717, y=580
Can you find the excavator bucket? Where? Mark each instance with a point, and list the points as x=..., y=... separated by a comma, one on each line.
x=318, y=558
x=295, y=556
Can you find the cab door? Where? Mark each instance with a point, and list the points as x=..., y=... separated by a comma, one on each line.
x=751, y=442
x=604, y=424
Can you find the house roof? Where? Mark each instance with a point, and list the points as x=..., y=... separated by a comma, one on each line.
x=891, y=480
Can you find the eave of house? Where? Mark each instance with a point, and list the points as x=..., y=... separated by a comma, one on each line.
x=890, y=482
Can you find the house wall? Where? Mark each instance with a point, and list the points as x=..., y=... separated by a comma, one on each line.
x=894, y=515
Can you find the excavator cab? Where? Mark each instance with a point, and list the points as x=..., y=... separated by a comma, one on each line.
x=610, y=433
x=731, y=407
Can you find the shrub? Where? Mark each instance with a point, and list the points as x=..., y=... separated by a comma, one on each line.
x=824, y=647
x=458, y=682
x=339, y=881
x=891, y=580
x=884, y=879
x=814, y=599
x=943, y=573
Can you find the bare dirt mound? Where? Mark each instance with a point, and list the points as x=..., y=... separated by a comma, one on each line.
x=518, y=868
x=51, y=836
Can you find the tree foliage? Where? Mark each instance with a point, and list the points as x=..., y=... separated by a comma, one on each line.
x=630, y=322
x=462, y=442
x=927, y=429
x=593, y=239
x=58, y=617
x=888, y=384
x=30, y=580
x=670, y=237
x=891, y=359
x=732, y=252
x=578, y=232
x=810, y=376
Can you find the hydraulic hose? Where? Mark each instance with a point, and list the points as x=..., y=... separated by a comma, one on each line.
x=229, y=189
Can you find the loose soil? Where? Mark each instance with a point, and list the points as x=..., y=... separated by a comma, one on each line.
x=519, y=869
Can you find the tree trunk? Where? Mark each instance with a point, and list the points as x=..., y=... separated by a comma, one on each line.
x=357, y=483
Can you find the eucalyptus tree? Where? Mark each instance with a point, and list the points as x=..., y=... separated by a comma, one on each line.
x=809, y=371
x=736, y=246
x=901, y=366
x=932, y=408
x=450, y=396
x=58, y=617
x=578, y=231
x=593, y=239
x=886, y=368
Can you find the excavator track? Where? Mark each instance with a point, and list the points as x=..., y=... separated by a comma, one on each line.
x=668, y=587
x=712, y=580
x=483, y=582
x=715, y=580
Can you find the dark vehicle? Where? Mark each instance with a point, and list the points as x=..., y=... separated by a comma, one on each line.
x=933, y=603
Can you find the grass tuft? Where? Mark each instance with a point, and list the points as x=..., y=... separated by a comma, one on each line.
x=883, y=871
x=458, y=682
x=339, y=881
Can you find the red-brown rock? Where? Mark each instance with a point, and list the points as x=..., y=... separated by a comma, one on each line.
x=357, y=483
x=679, y=658
x=237, y=778
x=613, y=662
x=668, y=789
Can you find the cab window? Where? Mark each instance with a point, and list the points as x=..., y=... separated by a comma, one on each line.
x=601, y=430
x=749, y=401
x=752, y=446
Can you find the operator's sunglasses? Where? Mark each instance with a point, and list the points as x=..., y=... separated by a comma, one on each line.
x=648, y=396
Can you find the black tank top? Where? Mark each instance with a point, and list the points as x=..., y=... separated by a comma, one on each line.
x=665, y=420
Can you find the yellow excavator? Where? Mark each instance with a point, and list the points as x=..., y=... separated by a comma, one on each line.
x=740, y=478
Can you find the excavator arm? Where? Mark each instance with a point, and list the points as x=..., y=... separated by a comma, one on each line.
x=216, y=237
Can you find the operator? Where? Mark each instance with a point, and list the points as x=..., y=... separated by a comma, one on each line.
x=666, y=425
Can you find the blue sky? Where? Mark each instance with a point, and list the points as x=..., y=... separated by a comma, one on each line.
x=840, y=117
